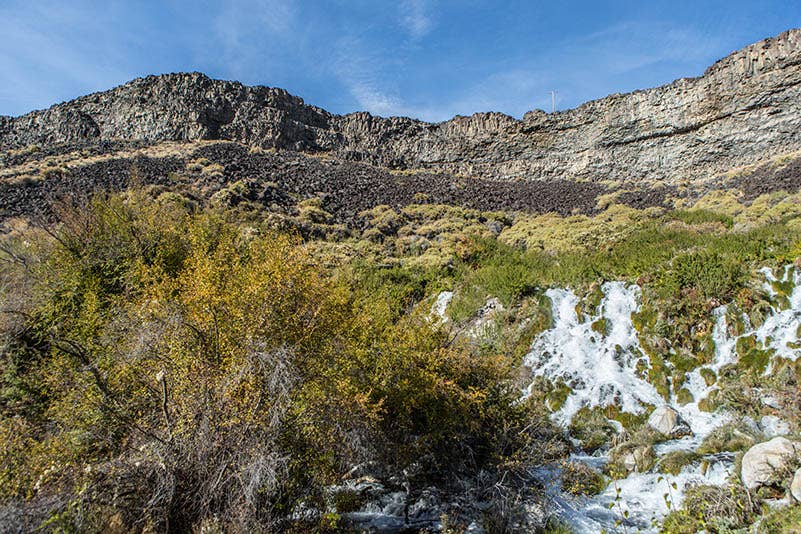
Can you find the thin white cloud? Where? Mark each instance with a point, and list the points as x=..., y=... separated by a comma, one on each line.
x=358, y=68
x=246, y=29
x=416, y=17
x=40, y=56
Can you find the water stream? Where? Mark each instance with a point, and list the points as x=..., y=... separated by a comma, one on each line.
x=607, y=368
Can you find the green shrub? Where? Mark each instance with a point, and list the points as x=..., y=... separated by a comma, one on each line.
x=731, y=437
x=713, y=509
x=580, y=479
x=207, y=371
x=708, y=272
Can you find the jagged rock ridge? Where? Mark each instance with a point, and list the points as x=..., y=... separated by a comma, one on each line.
x=745, y=108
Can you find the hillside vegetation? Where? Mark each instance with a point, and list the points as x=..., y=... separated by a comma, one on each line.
x=175, y=366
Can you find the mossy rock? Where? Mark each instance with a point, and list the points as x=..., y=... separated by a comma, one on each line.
x=630, y=457
x=734, y=321
x=673, y=462
x=684, y=397
x=683, y=362
x=600, y=326
x=705, y=349
x=659, y=376
x=592, y=429
x=759, y=313
x=708, y=375
x=581, y=479
x=557, y=396
x=752, y=356
x=645, y=319
x=592, y=300
x=730, y=437
x=630, y=421
x=677, y=379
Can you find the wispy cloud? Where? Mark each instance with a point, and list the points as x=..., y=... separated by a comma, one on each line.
x=362, y=70
x=41, y=54
x=247, y=29
x=416, y=17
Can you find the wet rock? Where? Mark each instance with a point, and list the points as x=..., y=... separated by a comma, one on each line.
x=763, y=463
x=773, y=426
x=631, y=458
x=667, y=421
x=427, y=506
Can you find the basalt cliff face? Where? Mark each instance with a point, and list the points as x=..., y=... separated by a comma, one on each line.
x=744, y=109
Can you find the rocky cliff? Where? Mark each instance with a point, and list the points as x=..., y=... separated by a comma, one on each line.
x=745, y=108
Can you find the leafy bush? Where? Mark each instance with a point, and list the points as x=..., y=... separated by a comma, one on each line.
x=185, y=370
x=709, y=273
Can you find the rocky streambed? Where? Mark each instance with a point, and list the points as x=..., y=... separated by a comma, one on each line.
x=603, y=367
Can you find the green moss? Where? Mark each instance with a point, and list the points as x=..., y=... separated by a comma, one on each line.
x=592, y=300
x=600, y=326
x=752, y=356
x=645, y=319
x=557, y=396
x=684, y=396
x=683, y=362
x=630, y=421
x=591, y=428
x=658, y=376
x=730, y=437
x=708, y=375
x=782, y=520
x=673, y=462
x=705, y=348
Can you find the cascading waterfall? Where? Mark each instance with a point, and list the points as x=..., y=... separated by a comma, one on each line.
x=607, y=368
x=600, y=369
x=606, y=365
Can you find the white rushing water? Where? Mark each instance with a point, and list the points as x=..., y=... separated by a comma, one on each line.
x=607, y=368
x=599, y=369
x=606, y=365
x=440, y=306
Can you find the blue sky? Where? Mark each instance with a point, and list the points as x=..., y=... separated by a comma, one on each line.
x=429, y=59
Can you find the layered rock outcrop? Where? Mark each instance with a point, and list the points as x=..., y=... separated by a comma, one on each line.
x=744, y=109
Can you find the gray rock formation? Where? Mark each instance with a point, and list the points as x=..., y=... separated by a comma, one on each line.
x=667, y=421
x=744, y=109
x=795, y=485
x=764, y=463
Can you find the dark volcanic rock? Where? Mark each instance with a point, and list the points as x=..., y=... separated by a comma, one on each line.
x=284, y=177
x=35, y=197
x=769, y=178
